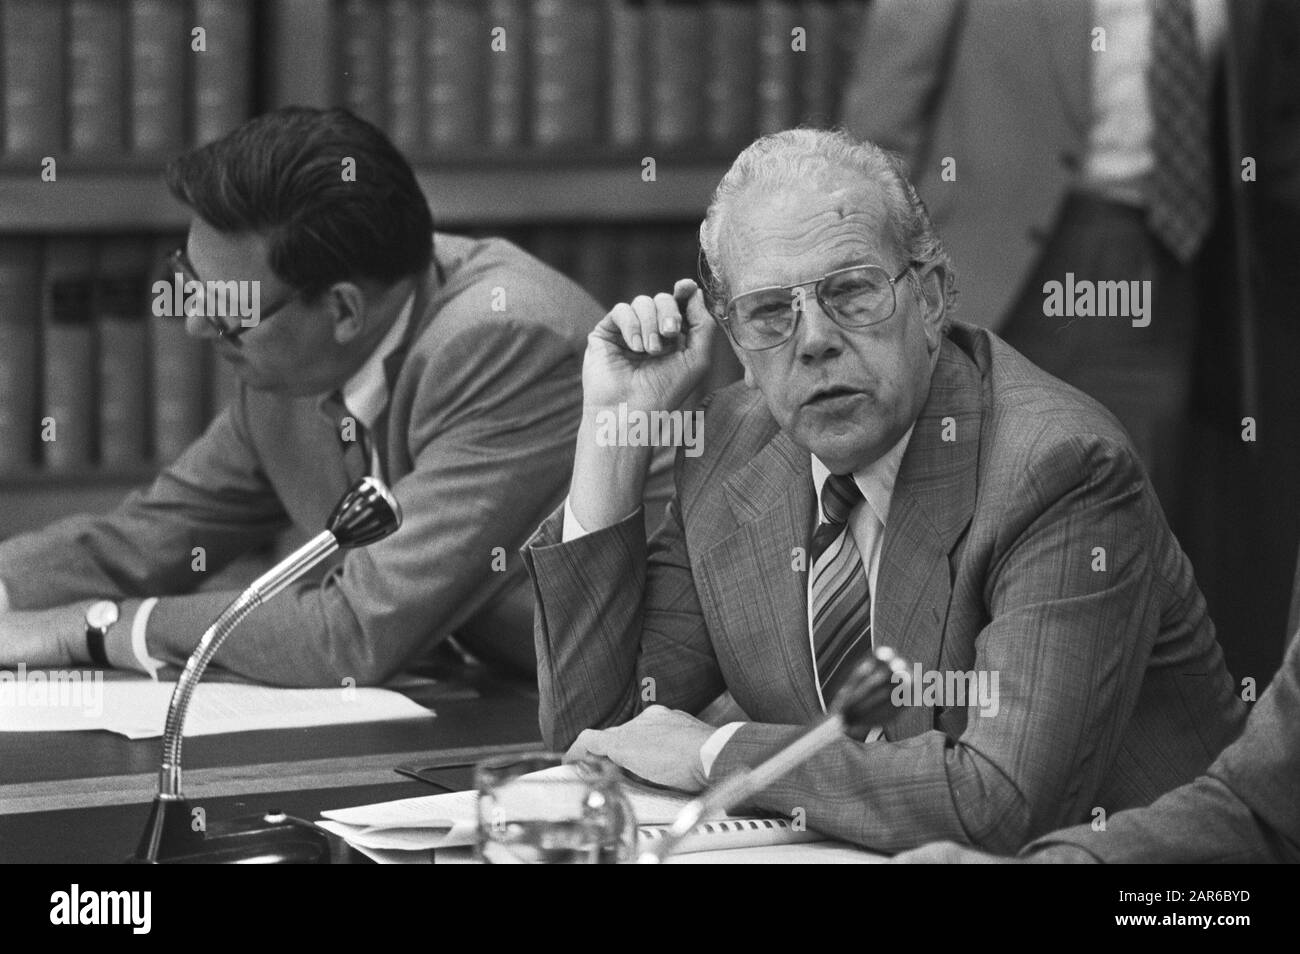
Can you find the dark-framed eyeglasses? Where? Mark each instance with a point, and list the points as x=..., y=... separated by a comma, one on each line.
x=178, y=262
x=858, y=296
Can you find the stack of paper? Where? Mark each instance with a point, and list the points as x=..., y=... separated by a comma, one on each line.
x=411, y=829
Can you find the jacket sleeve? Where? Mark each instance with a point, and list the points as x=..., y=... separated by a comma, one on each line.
x=618, y=625
x=1242, y=810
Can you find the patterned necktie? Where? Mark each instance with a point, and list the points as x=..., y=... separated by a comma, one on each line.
x=841, y=595
x=352, y=437
x=1182, y=196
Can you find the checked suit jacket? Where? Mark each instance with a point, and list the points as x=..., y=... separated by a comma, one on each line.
x=1112, y=688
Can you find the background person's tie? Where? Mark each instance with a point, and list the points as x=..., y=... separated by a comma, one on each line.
x=1182, y=195
x=841, y=595
x=356, y=454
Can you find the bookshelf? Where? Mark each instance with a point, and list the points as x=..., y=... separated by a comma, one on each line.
x=463, y=194
x=543, y=146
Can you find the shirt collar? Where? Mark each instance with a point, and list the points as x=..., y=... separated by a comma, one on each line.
x=365, y=394
x=876, y=480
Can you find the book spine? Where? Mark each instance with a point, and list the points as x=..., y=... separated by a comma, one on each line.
x=20, y=307
x=627, y=78
x=32, y=86
x=121, y=305
x=565, y=87
x=405, y=62
x=158, y=43
x=362, y=54
x=69, y=420
x=729, y=88
x=96, y=76
x=507, y=72
x=777, y=86
x=456, y=49
x=676, y=73
x=178, y=364
x=223, y=69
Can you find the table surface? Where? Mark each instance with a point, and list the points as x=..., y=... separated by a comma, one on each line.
x=83, y=797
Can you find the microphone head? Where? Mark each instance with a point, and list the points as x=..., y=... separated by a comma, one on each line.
x=865, y=700
x=367, y=512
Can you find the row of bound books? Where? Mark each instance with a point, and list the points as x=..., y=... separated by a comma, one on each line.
x=91, y=378
x=458, y=76
x=102, y=79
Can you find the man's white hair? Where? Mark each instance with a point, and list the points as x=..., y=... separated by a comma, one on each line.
x=797, y=157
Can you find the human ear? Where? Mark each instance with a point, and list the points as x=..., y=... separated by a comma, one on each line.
x=347, y=308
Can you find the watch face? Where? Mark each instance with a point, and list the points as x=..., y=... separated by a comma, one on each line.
x=101, y=614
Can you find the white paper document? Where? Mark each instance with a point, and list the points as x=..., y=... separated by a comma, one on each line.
x=76, y=700
x=410, y=830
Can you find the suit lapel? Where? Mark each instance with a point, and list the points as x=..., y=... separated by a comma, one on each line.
x=771, y=500
x=934, y=499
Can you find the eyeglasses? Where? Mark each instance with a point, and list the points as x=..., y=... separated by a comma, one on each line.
x=854, y=297
x=179, y=262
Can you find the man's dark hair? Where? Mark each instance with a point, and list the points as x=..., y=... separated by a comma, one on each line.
x=280, y=175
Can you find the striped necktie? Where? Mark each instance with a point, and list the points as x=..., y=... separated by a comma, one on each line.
x=1181, y=205
x=840, y=593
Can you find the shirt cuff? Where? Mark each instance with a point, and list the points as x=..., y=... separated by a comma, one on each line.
x=710, y=749
x=126, y=646
x=572, y=529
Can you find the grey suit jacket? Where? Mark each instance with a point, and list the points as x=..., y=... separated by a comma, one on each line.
x=1112, y=687
x=478, y=447
x=1245, y=808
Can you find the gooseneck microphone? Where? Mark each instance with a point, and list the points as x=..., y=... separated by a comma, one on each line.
x=862, y=702
x=367, y=512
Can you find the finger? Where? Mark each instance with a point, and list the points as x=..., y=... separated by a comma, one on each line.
x=626, y=324
x=648, y=314
x=683, y=289
x=668, y=315
x=588, y=743
x=700, y=323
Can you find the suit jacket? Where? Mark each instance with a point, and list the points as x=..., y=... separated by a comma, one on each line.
x=1004, y=88
x=478, y=447
x=1112, y=687
x=1243, y=809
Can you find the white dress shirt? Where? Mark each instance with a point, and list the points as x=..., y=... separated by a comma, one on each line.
x=1117, y=156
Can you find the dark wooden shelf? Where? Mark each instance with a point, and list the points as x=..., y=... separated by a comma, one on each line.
x=39, y=479
x=524, y=189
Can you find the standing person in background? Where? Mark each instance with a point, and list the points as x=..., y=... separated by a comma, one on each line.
x=1127, y=141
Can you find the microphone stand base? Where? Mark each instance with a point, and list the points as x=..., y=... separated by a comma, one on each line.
x=271, y=838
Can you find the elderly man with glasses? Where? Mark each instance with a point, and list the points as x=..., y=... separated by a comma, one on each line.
x=364, y=343
x=884, y=476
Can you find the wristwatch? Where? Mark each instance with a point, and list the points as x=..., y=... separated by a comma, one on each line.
x=99, y=620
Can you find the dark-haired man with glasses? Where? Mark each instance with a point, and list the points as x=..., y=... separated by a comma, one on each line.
x=446, y=366
x=884, y=476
